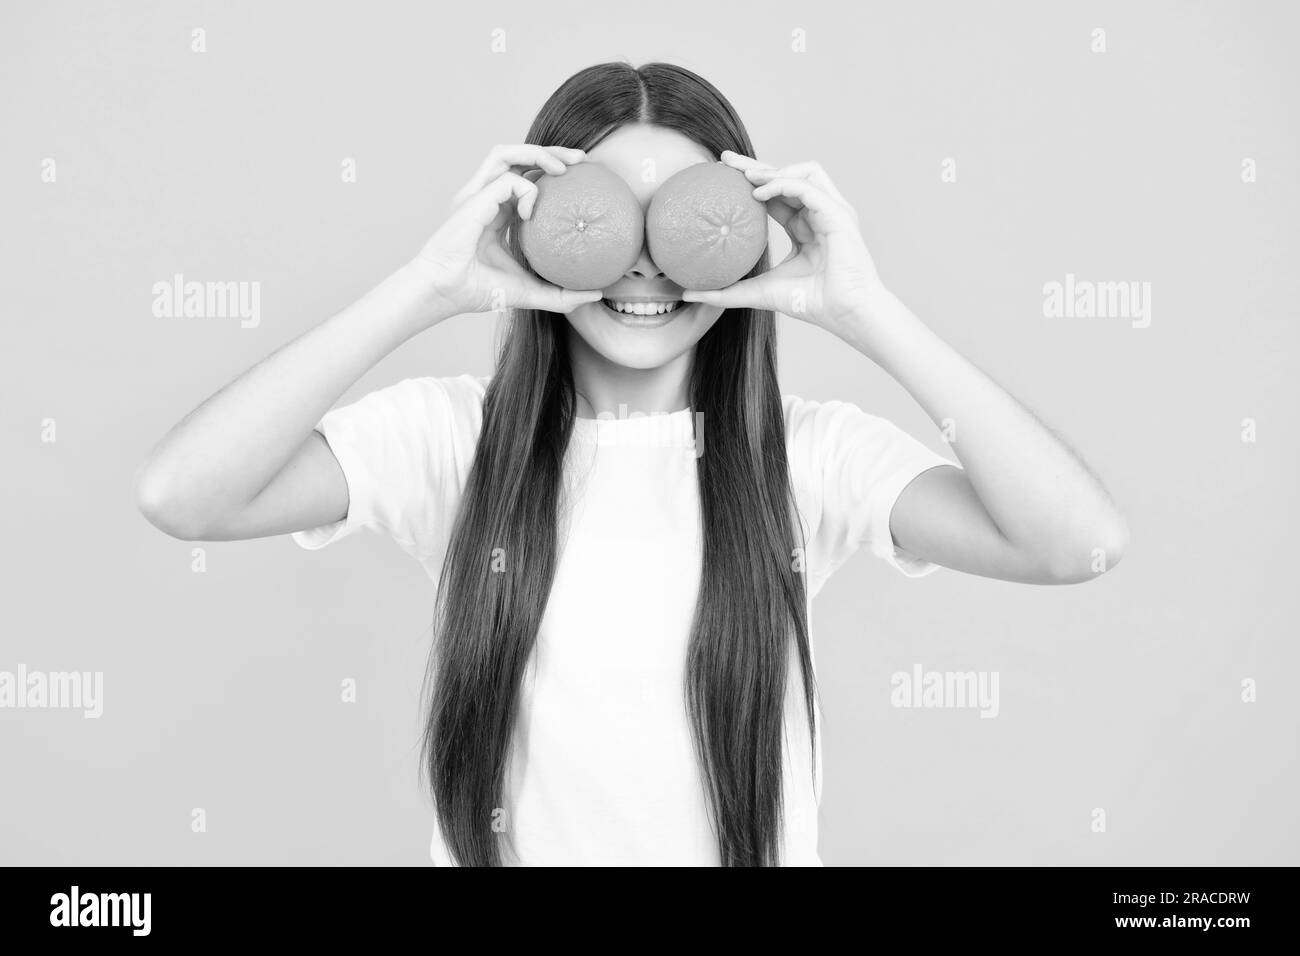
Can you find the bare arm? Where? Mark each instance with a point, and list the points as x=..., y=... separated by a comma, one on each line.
x=248, y=462
x=1023, y=507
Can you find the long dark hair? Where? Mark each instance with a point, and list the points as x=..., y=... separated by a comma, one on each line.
x=751, y=606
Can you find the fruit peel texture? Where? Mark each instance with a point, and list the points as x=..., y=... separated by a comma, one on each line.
x=705, y=228
x=586, y=229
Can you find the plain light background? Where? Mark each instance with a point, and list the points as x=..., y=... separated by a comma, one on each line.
x=222, y=688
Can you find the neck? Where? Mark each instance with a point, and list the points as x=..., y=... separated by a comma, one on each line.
x=606, y=389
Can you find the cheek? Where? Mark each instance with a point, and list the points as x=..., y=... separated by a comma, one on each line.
x=586, y=321
x=707, y=315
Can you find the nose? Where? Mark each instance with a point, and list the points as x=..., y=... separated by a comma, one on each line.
x=644, y=267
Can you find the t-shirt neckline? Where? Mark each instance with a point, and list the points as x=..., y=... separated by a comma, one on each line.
x=663, y=429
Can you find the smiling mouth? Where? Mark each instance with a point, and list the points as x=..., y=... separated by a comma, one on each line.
x=647, y=309
x=645, y=314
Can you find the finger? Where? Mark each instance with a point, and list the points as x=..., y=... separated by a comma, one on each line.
x=779, y=208
x=484, y=207
x=759, y=173
x=516, y=158
x=827, y=211
x=568, y=154
x=781, y=211
x=755, y=293
x=568, y=157
x=552, y=298
x=741, y=161
x=501, y=158
x=813, y=172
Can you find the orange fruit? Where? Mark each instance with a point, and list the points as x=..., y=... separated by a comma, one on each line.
x=586, y=229
x=705, y=228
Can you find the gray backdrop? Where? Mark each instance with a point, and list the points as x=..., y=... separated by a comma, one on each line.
x=222, y=686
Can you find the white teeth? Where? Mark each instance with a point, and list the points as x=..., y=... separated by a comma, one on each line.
x=643, y=308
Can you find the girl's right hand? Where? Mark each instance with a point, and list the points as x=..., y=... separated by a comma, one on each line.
x=467, y=264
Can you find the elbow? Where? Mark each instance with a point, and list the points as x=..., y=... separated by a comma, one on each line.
x=167, y=509
x=1090, y=555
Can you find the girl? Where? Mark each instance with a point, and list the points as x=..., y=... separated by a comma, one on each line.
x=621, y=670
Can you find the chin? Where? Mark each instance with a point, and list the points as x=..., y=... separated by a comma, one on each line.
x=642, y=342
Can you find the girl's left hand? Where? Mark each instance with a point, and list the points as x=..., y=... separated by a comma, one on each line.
x=828, y=278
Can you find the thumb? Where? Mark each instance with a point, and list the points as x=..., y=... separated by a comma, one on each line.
x=552, y=298
x=755, y=293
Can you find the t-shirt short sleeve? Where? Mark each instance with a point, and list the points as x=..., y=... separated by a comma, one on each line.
x=848, y=468
x=405, y=452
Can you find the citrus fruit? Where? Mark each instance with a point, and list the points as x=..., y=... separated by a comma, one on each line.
x=586, y=229
x=705, y=228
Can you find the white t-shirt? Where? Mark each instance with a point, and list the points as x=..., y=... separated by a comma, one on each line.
x=603, y=768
